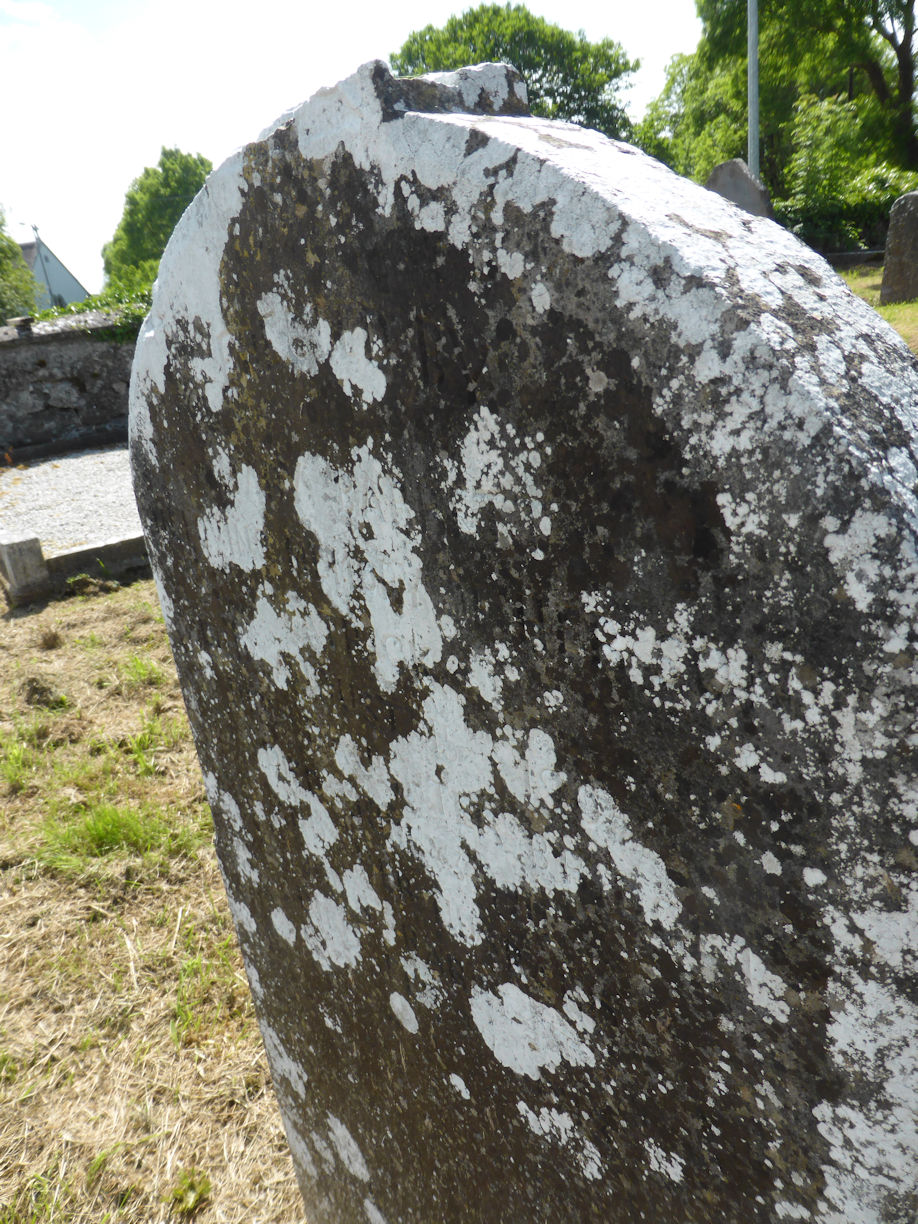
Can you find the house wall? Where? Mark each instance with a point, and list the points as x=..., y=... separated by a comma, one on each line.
x=65, y=383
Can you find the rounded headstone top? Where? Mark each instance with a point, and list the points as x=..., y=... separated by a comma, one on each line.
x=735, y=182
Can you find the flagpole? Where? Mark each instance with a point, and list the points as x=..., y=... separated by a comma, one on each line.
x=752, y=81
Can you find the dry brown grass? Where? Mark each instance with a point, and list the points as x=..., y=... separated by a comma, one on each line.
x=133, y=1084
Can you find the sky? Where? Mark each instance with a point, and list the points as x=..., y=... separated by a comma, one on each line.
x=91, y=90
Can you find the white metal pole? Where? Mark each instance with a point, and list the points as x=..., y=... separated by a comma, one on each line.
x=752, y=80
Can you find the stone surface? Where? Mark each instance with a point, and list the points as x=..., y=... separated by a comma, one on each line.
x=536, y=535
x=64, y=382
x=23, y=569
x=735, y=182
x=900, y=265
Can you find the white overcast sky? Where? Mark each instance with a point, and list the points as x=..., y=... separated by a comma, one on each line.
x=90, y=90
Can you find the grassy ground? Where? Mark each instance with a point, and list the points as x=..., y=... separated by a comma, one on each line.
x=865, y=281
x=133, y=1085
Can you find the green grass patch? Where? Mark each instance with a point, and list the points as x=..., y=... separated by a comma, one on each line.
x=9, y=1068
x=866, y=281
x=43, y=1200
x=123, y=984
x=140, y=671
x=72, y=837
x=17, y=762
x=190, y=1193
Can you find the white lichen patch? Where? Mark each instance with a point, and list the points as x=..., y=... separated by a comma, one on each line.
x=372, y=779
x=325, y=1153
x=426, y=985
x=667, y=1163
x=551, y=1123
x=317, y=829
x=511, y=263
x=608, y=828
x=530, y=776
x=373, y=1214
x=367, y=549
x=541, y=297
x=459, y=1084
x=304, y=345
x=345, y=1145
x=353, y=368
x=853, y=553
x=495, y=468
x=873, y=1146
x=283, y=925
x=557, y=1126
x=515, y=859
x=360, y=893
x=483, y=676
x=443, y=769
x=403, y=1012
x=328, y=935
x=764, y=988
x=300, y=1149
x=277, y=769
x=655, y=660
x=187, y=299
x=271, y=636
x=437, y=768
x=281, y=1062
x=234, y=536
x=524, y=1035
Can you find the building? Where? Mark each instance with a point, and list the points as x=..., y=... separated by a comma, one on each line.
x=56, y=286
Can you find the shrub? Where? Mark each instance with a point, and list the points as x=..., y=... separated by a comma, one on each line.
x=838, y=200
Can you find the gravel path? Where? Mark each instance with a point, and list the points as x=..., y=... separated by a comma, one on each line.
x=69, y=501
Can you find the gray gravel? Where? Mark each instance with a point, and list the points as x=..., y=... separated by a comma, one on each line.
x=69, y=501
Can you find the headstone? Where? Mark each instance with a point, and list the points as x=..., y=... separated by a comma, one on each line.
x=900, y=265
x=536, y=536
x=735, y=182
x=23, y=569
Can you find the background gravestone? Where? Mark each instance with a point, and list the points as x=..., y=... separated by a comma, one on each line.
x=536, y=535
x=900, y=264
x=735, y=182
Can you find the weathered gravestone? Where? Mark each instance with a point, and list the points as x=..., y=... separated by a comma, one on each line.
x=735, y=182
x=900, y=261
x=536, y=535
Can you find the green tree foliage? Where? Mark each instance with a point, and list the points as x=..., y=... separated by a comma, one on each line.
x=17, y=284
x=870, y=44
x=567, y=76
x=834, y=153
x=152, y=206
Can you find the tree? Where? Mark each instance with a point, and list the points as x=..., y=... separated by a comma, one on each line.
x=567, y=76
x=834, y=151
x=17, y=284
x=152, y=206
x=871, y=42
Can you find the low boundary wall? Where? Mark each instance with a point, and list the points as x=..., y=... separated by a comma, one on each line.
x=63, y=383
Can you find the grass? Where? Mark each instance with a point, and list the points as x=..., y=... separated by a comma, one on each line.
x=133, y=1084
x=865, y=280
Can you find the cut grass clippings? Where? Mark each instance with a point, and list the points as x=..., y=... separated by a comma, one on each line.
x=133, y=1083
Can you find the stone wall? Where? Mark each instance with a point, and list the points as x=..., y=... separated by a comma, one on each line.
x=65, y=382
